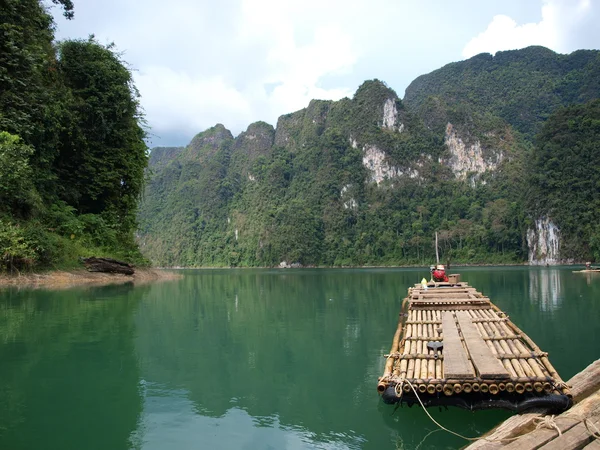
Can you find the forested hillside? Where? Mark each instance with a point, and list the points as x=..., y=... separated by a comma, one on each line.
x=72, y=151
x=369, y=180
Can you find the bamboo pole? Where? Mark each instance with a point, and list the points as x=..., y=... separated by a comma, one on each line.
x=544, y=359
x=390, y=360
x=438, y=369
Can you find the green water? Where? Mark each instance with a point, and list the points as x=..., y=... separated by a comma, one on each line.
x=250, y=359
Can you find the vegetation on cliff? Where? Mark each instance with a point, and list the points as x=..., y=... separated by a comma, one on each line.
x=565, y=178
x=72, y=155
x=369, y=180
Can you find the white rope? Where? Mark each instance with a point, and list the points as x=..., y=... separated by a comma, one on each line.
x=546, y=422
x=450, y=431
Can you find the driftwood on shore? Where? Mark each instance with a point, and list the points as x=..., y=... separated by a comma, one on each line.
x=108, y=265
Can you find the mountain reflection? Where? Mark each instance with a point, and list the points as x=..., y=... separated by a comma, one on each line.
x=276, y=344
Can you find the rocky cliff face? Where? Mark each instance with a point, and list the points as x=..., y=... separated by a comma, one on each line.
x=370, y=178
x=543, y=242
x=256, y=141
x=467, y=159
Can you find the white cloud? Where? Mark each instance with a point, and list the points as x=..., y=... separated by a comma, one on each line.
x=200, y=62
x=560, y=18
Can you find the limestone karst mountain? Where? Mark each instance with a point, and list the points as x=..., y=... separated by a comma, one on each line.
x=368, y=180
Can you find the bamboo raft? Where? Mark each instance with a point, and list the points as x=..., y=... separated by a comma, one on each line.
x=485, y=361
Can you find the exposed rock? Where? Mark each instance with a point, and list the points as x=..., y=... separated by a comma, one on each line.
x=544, y=242
x=468, y=159
x=390, y=116
x=374, y=160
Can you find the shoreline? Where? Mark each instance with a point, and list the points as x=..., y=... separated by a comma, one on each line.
x=415, y=266
x=64, y=279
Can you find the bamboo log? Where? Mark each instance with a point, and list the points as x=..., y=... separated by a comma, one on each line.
x=484, y=387
x=422, y=388
x=527, y=368
x=411, y=369
x=390, y=361
x=510, y=387
x=448, y=389
x=425, y=366
x=475, y=387
x=467, y=387
x=502, y=386
x=494, y=389
x=431, y=368
x=509, y=367
x=431, y=388
x=417, y=368
x=528, y=387
x=519, y=388
x=457, y=388
x=518, y=369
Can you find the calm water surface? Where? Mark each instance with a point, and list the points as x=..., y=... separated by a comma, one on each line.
x=250, y=359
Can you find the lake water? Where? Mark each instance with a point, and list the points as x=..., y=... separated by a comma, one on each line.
x=251, y=359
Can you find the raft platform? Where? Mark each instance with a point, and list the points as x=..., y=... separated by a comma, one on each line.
x=454, y=347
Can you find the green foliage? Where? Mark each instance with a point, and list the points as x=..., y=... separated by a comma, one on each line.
x=72, y=151
x=565, y=177
x=304, y=195
x=16, y=187
x=520, y=87
x=17, y=251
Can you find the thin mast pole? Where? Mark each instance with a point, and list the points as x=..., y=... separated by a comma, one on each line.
x=437, y=255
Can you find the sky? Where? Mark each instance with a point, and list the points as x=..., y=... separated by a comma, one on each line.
x=197, y=63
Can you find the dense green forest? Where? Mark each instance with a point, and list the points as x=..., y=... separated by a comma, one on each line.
x=72, y=151
x=371, y=179
x=565, y=177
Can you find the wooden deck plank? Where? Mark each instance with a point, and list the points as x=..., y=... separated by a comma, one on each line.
x=577, y=437
x=594, y=445
x=484, y=361
x=456, y=363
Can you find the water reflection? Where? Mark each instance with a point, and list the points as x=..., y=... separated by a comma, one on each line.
x=171, y=420
x=68, y=372
x=545, y=288
x=250, y=359
x=297, y=353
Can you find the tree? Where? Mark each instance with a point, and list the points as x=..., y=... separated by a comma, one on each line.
x=102, y=155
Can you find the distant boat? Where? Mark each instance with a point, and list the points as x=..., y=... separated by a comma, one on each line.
x=587, y=271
